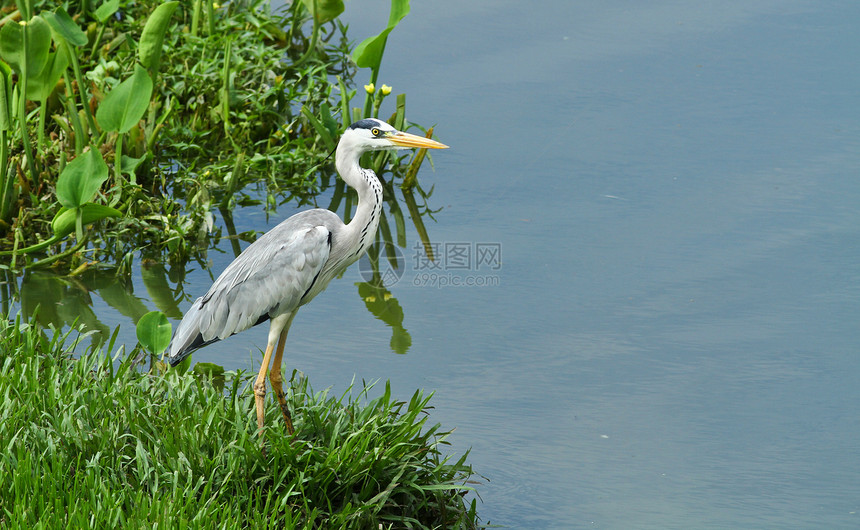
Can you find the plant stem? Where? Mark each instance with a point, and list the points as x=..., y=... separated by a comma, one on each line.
x=347, y=209
x=22, y=107
x=368, y=101
x=415, y=214
x=312, y=46
x=235, y=175
x=159, y=124
x=47, y=261
x=195, y=17
x=5, y=180
x=117, y=162
x=227, y=215
x=98, y=41
x=225, y=88
x=82, y=89
x=73, y=116
x=32, y=248
x=210, y=17
x=18, y=239
x=344, y=103
x=411, y=177
x=40, y=145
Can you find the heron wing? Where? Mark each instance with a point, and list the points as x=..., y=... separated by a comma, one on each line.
x=270, y=277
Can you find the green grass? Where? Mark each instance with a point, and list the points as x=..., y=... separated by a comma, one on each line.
x=93, y=442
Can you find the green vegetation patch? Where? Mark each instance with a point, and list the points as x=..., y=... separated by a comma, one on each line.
x=95, y=443
x=186, y=104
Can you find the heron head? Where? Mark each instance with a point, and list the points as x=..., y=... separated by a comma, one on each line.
x=371, y=134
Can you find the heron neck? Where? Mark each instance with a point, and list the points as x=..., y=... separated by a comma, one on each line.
x=361, y=230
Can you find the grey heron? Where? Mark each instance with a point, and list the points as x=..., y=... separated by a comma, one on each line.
x=292, y=263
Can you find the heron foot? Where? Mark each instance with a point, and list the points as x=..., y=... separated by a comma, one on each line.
x=278, y=381
x=278, y=387
x=259, y=401
x=285, y=410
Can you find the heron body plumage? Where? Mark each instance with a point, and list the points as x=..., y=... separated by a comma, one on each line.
x=292, y=263
x=276, y=274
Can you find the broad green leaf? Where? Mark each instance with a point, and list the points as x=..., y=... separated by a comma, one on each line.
x=328, y=120
x=81, y=179
x=38, y=44
x=126, y=104
x=64, y=222
x=324, y=10
x=130, y=165
x=152, y=38
x=107, y=9
x=40, y=87
x=399, y=9
x=153, y=332
x=66, y=27
x=321, y=129
x=368, y=54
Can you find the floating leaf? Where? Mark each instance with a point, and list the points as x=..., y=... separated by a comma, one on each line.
x=81, y=179
x=126, y=104
x=153, y=332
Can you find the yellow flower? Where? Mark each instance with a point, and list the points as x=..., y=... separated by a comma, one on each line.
x=385, y=90
x=370, y=89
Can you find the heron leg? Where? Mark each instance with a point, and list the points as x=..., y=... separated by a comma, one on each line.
x=260, y=386
x=277, y=381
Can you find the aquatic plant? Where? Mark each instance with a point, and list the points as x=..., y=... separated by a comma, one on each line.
x=187, y=105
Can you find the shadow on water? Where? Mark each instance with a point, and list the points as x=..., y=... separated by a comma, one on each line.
x=62, y=301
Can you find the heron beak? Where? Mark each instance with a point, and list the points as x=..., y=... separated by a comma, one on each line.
x=403, y=139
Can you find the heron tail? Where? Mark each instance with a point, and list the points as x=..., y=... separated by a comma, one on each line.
x=187, y=336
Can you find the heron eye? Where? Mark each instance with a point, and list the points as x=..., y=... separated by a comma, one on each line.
x=374, y=131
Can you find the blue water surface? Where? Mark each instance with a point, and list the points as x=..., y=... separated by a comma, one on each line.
x=674, y=185
x=664, y=332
